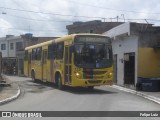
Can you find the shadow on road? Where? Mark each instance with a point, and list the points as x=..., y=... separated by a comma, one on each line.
x=83, y=90
x=40, y=86
x=35, y=87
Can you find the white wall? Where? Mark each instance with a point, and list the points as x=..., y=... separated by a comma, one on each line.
x=8, y=52
x=122, y=45
x=12, y=53
x=4, y=52
x=123, y=29
x=124, y=42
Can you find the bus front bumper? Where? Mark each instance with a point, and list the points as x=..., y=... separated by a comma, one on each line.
x=91, y=82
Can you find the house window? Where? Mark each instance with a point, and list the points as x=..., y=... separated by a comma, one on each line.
x=3, y=46
x=11, y=46
x=19, y=46
x=91, y=31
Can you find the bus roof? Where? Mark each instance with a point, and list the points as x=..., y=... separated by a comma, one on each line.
x=60, y=40
x=39, y=45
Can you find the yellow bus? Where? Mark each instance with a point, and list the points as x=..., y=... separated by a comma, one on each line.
x=74, y=60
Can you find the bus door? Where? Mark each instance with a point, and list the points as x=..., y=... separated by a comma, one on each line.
x=29, y=64
x=44, y=65
x=68, y=55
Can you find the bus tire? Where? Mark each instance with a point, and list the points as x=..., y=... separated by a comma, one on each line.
x=33, y=76
x=59, y=82
x=90, y=87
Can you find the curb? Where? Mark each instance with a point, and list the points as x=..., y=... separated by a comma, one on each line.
x=149, y=97
x=11, y=98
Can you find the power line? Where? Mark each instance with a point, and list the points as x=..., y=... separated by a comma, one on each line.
x=21, y=10
x=64, y=15
x=74, y=21
x=34, y=19
x=33, y=29
x=111, y=8
x=73, y=15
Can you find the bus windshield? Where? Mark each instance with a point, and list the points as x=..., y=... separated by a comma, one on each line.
x=93, y=55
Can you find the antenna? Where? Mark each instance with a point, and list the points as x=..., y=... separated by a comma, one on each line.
x=111, y=19
x=117, y=18
x=123, y=17
x=146, y=21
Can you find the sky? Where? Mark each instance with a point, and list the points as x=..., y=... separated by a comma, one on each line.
x=48, y=18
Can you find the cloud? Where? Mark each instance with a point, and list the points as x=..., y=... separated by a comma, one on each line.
x=4, y=25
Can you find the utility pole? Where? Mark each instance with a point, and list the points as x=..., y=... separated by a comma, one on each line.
x=111, y=19
x=123, y=17
x=117, y=18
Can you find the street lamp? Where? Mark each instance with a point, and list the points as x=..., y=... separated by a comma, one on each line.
x=4, y=13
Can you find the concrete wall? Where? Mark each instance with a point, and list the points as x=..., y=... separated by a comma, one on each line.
x=149, y=39
x=96, y=26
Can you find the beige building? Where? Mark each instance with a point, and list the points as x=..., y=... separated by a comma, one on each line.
x=12, y=48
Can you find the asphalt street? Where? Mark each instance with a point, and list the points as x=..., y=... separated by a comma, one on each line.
x=46, y=97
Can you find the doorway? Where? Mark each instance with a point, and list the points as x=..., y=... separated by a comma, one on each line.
x=129, y=68
x=68, y=61
x=115, y=68
x=29, y=64
x=44, y=65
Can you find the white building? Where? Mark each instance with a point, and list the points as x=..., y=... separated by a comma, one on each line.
x=10, y=44
x=134, y=52
x=12, y=48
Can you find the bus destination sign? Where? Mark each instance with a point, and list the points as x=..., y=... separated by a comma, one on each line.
x=92, y=39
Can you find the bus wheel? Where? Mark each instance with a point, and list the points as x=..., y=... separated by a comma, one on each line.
x=33, y=76
x=59, y=82
x=90, y=87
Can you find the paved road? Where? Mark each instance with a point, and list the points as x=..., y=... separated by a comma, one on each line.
x=44, y=97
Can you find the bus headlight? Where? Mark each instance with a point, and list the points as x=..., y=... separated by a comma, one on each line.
x=77, y=74
x=110, y=74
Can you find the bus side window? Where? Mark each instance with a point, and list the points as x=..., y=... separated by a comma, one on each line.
x=60, y=49
x=52, y=51
x=34, y=55
x=49, y=51
x=39, y=53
